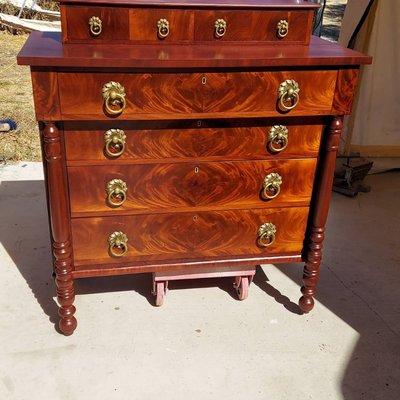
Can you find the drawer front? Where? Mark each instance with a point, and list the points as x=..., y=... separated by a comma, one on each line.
x=259, y=26
x=77, y=26
x=144, y=25
x=174, y=236
x=152, y=187
x=185, y=95
x=82, y=24
x=139, y=141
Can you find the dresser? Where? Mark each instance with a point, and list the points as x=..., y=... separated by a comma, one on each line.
x=181, y=137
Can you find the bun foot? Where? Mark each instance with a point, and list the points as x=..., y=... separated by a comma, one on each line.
x=306, y=304
x=67, y=323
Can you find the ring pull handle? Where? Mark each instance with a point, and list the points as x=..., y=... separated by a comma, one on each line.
x=162, y=28
x=278, y=138
x=114, y=98
x=95, y=26
x=116, y=192
x=266, y=234
x=118, y=244
x=220, y=28
x=114, y=142
x=271, y=186
x=282, y=28
x=288, y=94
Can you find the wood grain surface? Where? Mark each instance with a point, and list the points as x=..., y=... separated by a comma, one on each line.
x=75, y=24
x=254, y=26
x=163, y=96
x=180, y=140
x=45, y=49
x=171, y=236
x=173, y=187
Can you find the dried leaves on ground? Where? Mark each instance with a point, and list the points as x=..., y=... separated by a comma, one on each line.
x=16, y=102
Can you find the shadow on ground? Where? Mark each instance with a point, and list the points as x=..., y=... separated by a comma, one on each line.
x=360, y=279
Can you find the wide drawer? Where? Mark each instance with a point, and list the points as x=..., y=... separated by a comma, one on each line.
x=161, y=25
x=194, y=95
x=203, y=234
x=178, y=186
x=138, y=141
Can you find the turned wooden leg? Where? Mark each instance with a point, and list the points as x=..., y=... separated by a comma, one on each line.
x=57, y=200
x=313, y=254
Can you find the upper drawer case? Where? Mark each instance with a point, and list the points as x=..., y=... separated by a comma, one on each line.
x=138, y=22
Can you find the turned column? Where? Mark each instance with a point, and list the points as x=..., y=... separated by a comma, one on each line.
x=57, y=197
x=313, y=254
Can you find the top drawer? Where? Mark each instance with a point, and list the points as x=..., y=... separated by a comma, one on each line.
x=84, y=24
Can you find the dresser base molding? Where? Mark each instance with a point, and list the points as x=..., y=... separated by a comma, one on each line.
x=164, y=266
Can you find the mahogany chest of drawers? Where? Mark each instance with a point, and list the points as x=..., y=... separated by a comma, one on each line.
x=185, y=135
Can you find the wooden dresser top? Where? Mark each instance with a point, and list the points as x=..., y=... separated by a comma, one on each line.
x=45, y=49
x=260, y=4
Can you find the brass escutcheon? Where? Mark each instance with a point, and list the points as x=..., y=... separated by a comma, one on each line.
x=288, y=95
x=114, y=142
x=271, y=186
x=278, y=138
x=114, y=98
x=116, y=192
x=117, y=244
x=219, y=28
x=266, y=234
x=162, y=28
x=282, y=28
x=95, y=26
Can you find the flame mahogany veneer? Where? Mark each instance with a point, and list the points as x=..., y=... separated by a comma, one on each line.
x=197, y=123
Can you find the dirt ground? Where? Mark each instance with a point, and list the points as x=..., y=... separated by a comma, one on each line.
x=16, y=102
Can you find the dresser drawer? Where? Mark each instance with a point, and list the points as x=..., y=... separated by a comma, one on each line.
x=84, y=24
x=280, y=27
x=172, y=236
x=194, y=95
x=162, y=25
x=165, y=186
x=132, y=142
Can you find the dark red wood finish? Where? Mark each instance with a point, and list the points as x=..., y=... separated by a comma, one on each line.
x=197, y=125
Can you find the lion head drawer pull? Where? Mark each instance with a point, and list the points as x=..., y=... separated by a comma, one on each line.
x=95, y=26
x=118, y=244
x=116, y=192
x=219, y=28
x=162, y=28
x=266, y=234
x=271, y=186
x=282, y=29
x=114, y=142
x=114, y=98
x=278, y=138
x=288, y=94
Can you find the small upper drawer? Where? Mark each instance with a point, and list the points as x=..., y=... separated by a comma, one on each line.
x=135, y=25
x=281, y=26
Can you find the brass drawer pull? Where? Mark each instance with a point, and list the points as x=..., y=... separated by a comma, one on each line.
x=114, y=98
x=278, y=138
x=282, y=29
x=163, y=28
x=114, y=142
x=266, y=234
x=116, y=192
x=220, y=28
x=117, y=244
x=95, y=26
x=271, y=186
x=288, y=94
